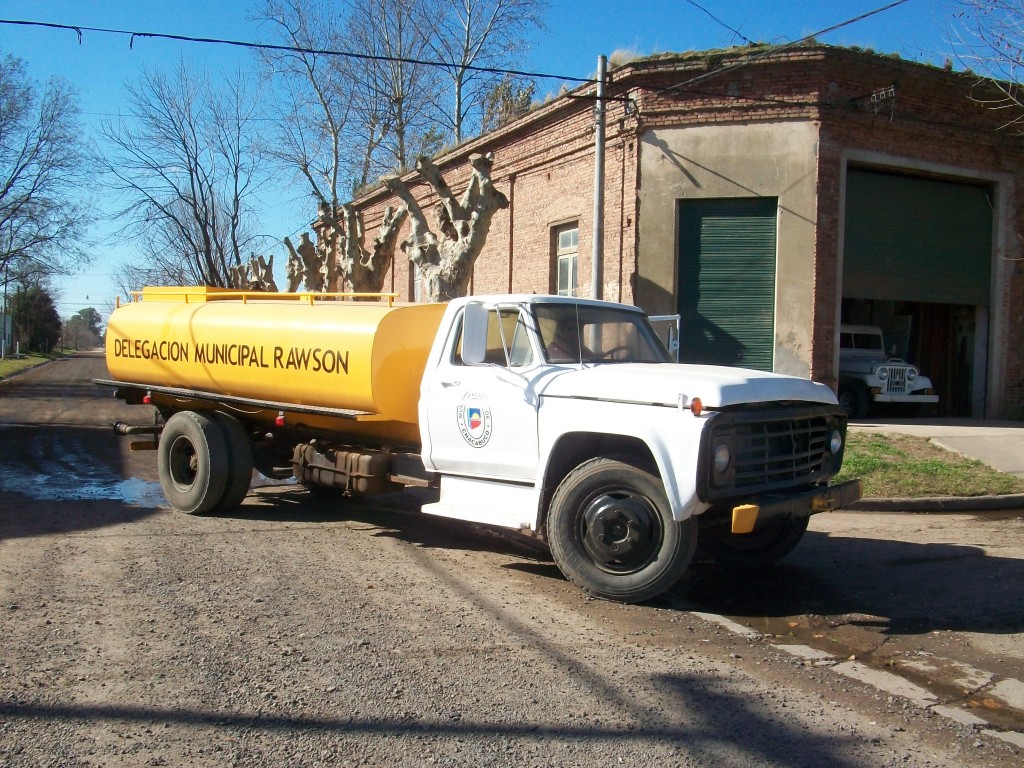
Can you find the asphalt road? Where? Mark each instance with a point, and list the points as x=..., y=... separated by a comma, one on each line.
x=310, y=631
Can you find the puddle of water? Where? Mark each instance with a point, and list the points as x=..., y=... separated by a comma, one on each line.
x=63, y=488
x=68, y=487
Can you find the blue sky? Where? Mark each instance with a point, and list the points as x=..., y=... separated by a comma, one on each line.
x=576, y=34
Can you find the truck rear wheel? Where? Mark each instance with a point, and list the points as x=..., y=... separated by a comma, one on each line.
x=612, y=534
x=193, y=462
x=749, y=551
x=239, y=449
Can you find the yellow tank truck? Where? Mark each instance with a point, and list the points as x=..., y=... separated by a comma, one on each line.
x=561, y=417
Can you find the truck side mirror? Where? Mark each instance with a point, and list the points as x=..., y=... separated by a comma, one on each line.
x=474, y=333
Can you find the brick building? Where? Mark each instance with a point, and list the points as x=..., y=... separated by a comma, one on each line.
x=767, y=196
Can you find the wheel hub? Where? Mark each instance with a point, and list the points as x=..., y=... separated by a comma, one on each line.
x=183, y=463
x=618, y=532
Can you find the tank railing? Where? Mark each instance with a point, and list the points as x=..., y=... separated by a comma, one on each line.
x=247, y=296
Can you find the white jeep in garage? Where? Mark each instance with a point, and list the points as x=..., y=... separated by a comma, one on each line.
x=869, y=377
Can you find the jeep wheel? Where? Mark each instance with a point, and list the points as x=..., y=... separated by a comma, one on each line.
x=853, y=398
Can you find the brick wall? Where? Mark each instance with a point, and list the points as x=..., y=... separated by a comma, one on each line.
x=544, y=164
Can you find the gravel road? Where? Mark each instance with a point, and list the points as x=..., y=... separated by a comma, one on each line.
x=301, y=631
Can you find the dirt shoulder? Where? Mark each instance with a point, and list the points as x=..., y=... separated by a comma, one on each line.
x=325, y=632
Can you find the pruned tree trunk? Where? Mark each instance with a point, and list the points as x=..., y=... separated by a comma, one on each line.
x=305, y=260
x=446, y=263
x=363, y=268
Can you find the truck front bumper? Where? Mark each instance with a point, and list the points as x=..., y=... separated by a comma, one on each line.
x=747, y=518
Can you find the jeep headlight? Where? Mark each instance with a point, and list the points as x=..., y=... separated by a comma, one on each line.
x=911, y=374
x=882, y=373
x=722, y=458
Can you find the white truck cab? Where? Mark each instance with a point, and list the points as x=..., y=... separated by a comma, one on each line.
x=566, y=417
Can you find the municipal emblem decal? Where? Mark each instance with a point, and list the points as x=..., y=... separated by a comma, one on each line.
x=474, y=417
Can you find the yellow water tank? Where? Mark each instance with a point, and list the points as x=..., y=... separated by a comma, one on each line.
x=300, y=349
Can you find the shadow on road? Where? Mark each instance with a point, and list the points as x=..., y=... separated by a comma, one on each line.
x=713, y=735
x=396, y=515
x=892, y=587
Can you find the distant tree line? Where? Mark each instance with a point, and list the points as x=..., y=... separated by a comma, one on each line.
x=45, y=169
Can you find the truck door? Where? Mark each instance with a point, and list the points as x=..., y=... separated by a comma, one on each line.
x=482, y=419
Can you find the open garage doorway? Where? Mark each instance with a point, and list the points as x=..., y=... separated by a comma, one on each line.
x=944, y=341
x=917, y=256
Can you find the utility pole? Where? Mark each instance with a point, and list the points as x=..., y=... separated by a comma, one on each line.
x=6, y=315
x=597, y=279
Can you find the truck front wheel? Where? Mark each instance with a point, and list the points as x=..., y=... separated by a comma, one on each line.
x=193, y=462
x=612, y=534
x=749, y=551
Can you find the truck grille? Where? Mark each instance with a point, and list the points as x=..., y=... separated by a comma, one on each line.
x=896, y=383
x=770, y=452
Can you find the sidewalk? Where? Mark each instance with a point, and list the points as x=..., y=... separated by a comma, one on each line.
x=999, y=444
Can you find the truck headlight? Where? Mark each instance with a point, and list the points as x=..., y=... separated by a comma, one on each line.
x=835, y=442
x=722, y=458
x=882, y=373
x=911, y=374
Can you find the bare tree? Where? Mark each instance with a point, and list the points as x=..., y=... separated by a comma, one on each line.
x=188, y=168
x=472, y=35
x=446, y=262
x=988, y=37
x=349, y=118
x=364, y=268
x=314, y=103
x=44, y=169
x=508, y=99
x=393, y=37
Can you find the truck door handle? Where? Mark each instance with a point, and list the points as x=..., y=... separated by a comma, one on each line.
x=449, y=384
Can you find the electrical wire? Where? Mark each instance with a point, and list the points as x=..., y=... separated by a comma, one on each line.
x=775, y=49
x=718, y=21
x=288, y=49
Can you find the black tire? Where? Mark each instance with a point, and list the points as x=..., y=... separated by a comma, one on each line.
x=853, y=398
x=750, y=551
x=239, y=474
x=193, y=462
x=611, y=532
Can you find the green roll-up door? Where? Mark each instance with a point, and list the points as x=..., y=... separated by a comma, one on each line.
x=915, y=239
x=726, y=284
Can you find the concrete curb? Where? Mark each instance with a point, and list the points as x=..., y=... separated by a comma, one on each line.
x=939, y=504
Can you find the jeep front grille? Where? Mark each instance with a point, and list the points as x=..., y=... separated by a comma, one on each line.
x=896, y=382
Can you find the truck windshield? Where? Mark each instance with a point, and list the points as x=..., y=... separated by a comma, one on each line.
x=574, y=333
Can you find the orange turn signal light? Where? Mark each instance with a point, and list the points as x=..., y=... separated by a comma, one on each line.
x=696, y=406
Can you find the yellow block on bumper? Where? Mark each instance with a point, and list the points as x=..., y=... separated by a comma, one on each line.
x=802, y=504
x=743, y=518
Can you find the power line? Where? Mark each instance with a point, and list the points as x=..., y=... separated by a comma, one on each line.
x=132, y=34
x=718, y=21
x=775, y=49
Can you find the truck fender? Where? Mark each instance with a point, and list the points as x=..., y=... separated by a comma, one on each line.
x=575, y=448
